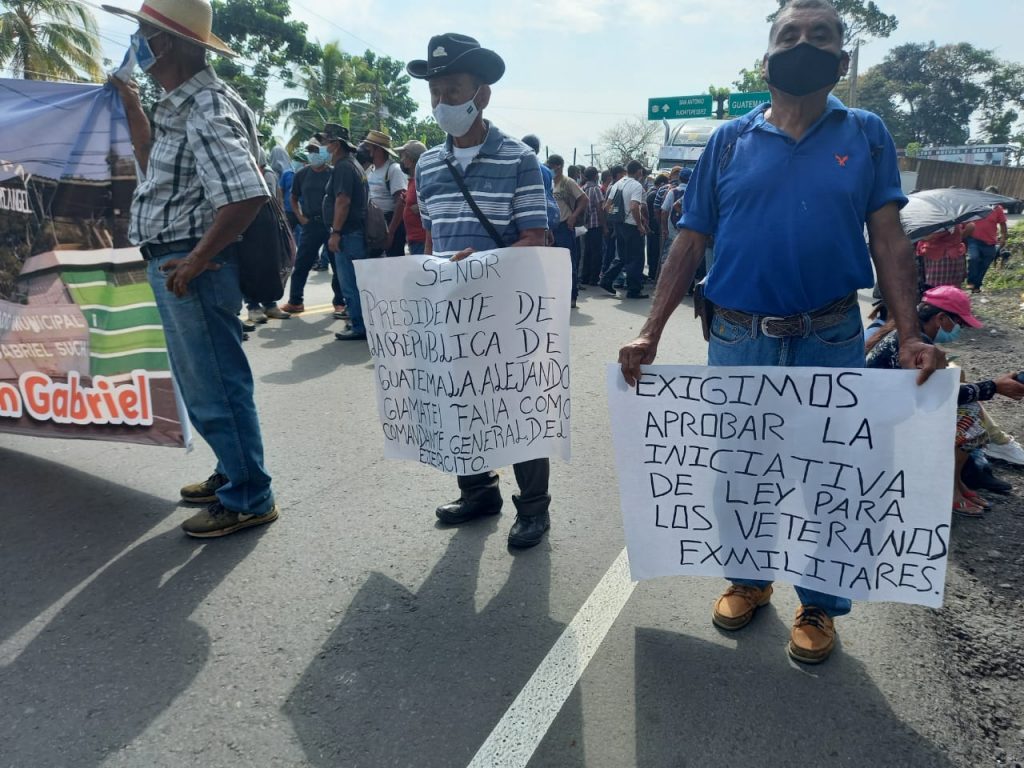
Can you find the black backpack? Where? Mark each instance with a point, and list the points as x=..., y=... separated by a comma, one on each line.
x=615, y=209
x=266, y=250
x=266, y=254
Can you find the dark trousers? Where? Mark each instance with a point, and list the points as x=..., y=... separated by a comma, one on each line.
x=532, y=476
x=653, y=253
x=397, y=243
x=980, y=256
x=608, y=256
x=566, y=238
x=314, y=237
x=629, y=257
x=593, y=253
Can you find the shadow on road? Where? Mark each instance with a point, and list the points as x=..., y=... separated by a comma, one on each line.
x=325, y=359
x=120, y=652
x=421, y=679
x=59, y=526
x=699, y=703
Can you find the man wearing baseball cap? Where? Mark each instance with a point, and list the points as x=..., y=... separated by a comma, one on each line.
x=460, y=73
x=200, y=187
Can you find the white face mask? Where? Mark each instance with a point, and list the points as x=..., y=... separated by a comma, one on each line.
x=458, y=119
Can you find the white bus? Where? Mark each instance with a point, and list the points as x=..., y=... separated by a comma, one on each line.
x=685, y=143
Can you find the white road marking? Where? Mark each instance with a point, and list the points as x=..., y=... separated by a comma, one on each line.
x=520, y=731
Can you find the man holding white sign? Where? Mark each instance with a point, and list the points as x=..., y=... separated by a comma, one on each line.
x=786, y=192
x=480, y=190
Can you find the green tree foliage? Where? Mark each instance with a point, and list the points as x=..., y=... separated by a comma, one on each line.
x=427, y=131
x=360, y=92
x=751, y=80
x=325, y=84
x=269, y=46
x=930, y=94
x=380, y=95
x=49, y=39
x=863, y=19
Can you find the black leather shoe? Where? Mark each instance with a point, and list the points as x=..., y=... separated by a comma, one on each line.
x=607, y=288
x=464, y=510
x=528, y=530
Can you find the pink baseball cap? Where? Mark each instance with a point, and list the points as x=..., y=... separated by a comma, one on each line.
x=952, y=300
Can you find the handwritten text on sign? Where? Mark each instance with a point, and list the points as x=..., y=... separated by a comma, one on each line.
x=472, y=357
x=839, y=481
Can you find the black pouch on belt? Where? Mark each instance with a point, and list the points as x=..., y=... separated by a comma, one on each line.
x=703, y=308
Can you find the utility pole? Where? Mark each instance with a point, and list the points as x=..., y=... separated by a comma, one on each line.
x=592, y=156
x=854, y=60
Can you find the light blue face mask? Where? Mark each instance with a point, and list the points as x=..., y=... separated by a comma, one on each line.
x=144, y=56
x=948, y=337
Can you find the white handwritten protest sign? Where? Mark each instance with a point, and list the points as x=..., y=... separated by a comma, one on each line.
x=471, y=358
x=839, y=481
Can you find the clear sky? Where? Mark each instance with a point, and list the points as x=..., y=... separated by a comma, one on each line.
x=575, y=67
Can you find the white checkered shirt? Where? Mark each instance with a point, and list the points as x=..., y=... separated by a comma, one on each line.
x=201, y=160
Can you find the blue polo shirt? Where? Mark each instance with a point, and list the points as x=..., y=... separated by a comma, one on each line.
x=788, y=216
x=505, y=182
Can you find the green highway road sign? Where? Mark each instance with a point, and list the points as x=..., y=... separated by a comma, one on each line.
x=679, y=106
x=741, y=103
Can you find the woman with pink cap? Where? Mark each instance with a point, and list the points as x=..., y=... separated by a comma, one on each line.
x=943, y=313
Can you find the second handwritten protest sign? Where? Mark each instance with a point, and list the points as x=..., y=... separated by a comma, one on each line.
x=471, y=358
x=838, y=481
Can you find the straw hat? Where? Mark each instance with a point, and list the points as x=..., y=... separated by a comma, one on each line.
x=190, y=20
x=382, y=140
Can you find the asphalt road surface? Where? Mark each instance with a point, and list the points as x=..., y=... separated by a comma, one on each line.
x=357, y=632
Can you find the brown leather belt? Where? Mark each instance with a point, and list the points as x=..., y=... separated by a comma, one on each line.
x=775, y=327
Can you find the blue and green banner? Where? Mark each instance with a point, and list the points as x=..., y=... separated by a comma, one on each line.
x=82, y=350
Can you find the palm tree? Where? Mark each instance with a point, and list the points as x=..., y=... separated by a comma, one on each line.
x=380, y=89
x=324, y=84
x=49, y=39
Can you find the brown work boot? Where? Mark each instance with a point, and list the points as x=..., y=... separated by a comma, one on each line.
x=735, y=608
x=813, y=636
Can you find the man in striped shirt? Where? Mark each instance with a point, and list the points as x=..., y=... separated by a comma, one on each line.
x=503, y=178
x=199, y=188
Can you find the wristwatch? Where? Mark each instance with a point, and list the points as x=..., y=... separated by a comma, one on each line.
x=332, y=231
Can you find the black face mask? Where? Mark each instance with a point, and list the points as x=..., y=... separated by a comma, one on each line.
x=803, y=69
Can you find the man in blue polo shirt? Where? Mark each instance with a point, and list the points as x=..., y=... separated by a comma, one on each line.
x=503, y=177
x=786, y=192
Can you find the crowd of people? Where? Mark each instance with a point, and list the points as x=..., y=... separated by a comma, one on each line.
x=782, y=302
x=608, y=250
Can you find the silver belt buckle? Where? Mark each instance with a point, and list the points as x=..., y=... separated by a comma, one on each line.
x=764, y=326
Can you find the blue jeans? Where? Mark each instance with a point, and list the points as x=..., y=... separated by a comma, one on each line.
x=204, y=344
x=416, y=249
x=980, y=256
x=314, y=237
x=353, y=247
x=841, y=346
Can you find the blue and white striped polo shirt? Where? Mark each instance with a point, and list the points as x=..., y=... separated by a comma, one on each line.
x=505, y=181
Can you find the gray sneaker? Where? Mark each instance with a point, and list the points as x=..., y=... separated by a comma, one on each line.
x=204, y=492
x=215, y=521
x=276, y=313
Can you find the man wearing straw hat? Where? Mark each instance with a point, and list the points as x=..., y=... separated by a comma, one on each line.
x=199, y=188
x=387, y=189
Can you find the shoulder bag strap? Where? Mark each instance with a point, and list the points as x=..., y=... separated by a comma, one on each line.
x=491, y=229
